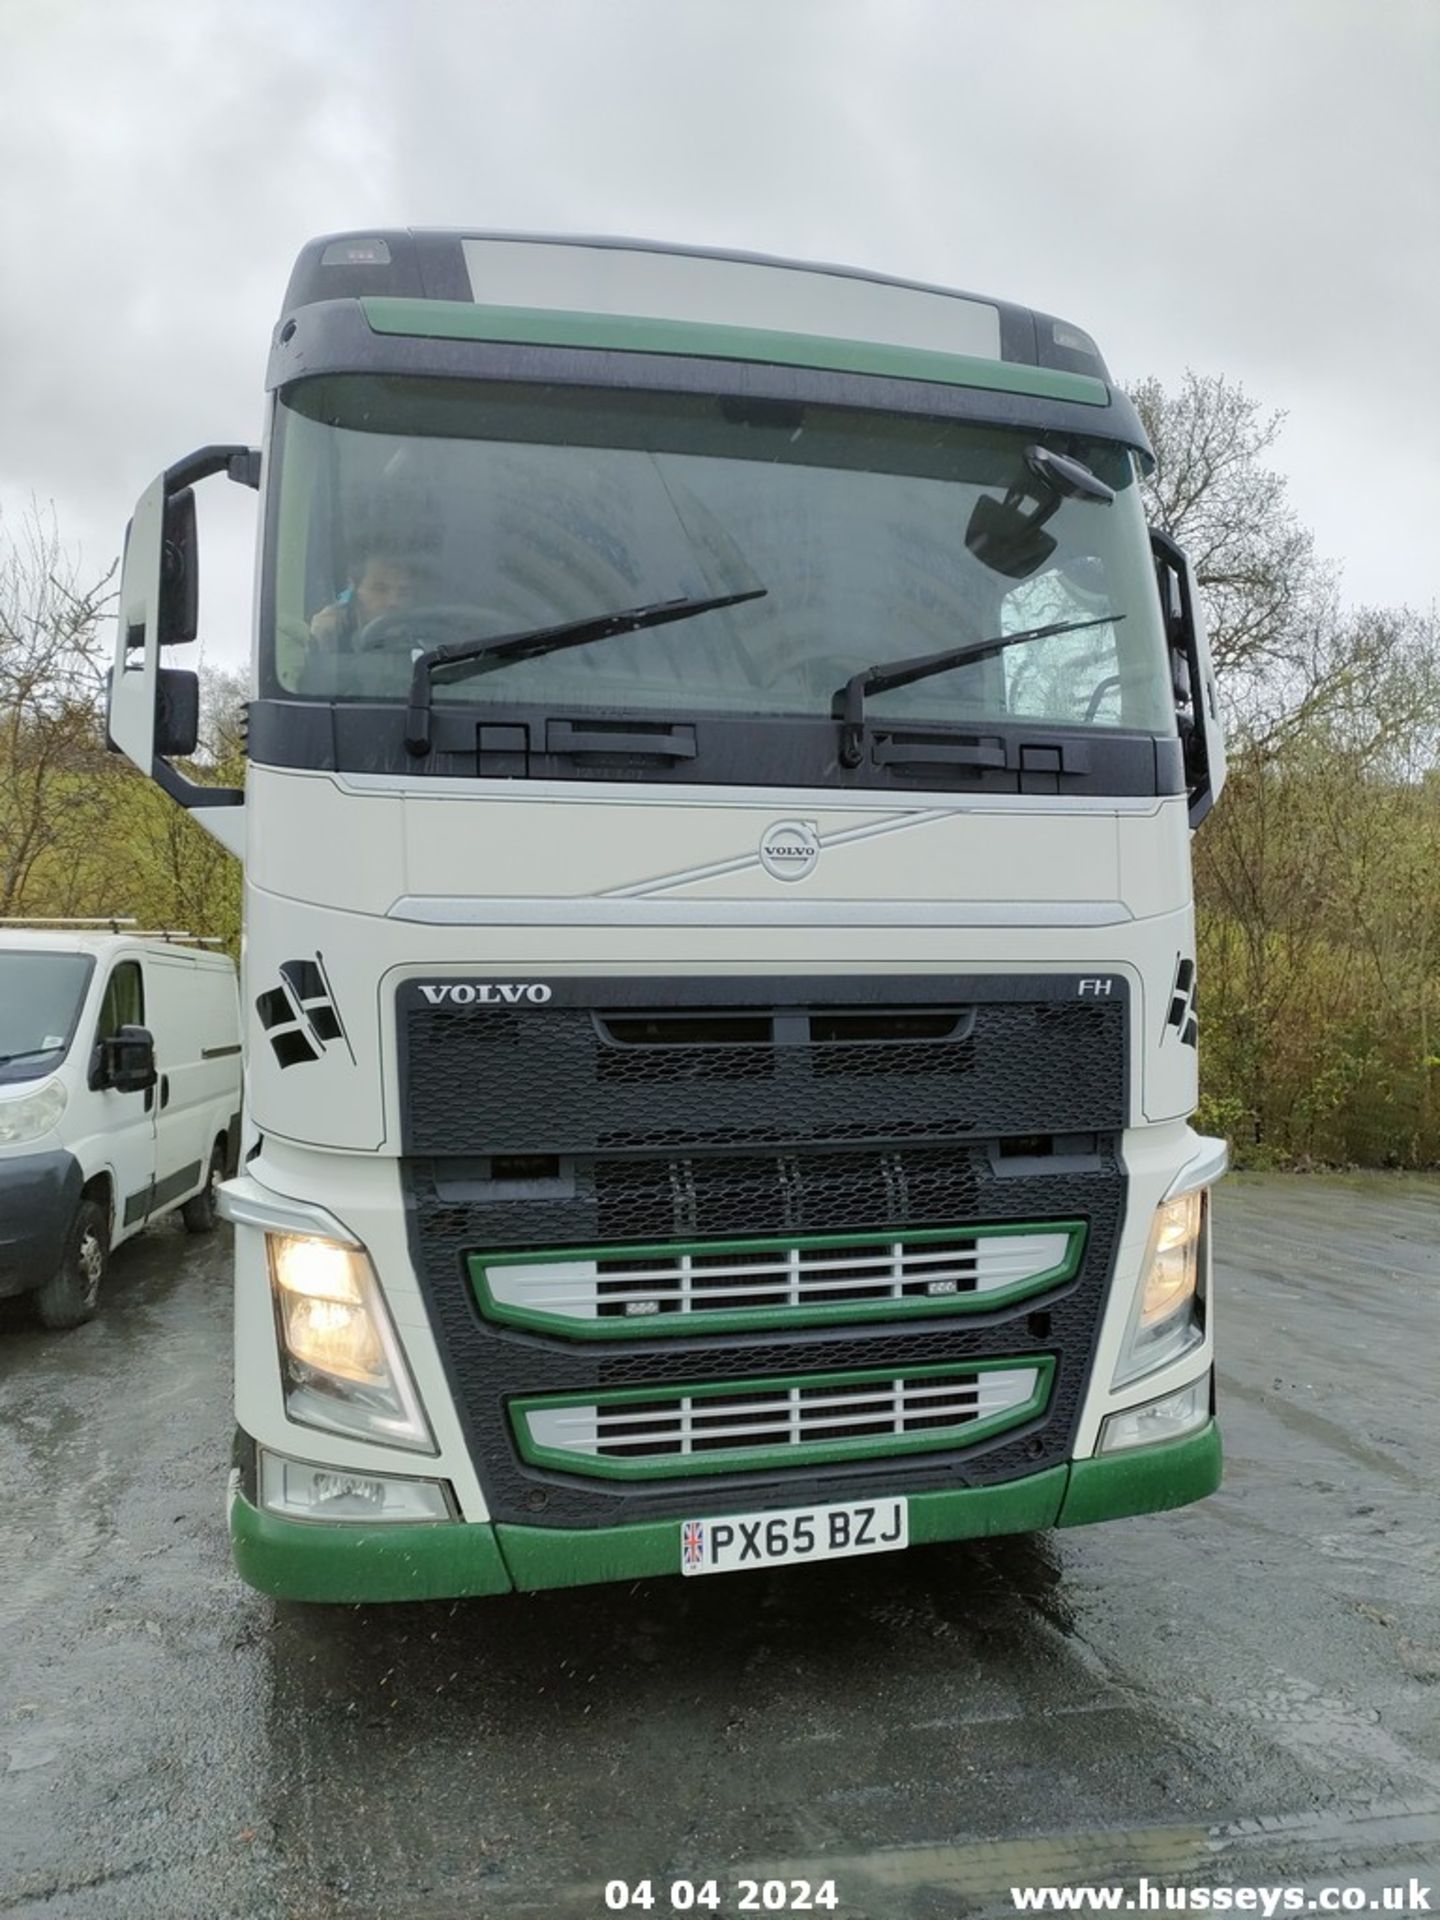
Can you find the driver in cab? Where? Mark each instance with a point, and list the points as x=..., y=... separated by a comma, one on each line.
x=382, y=580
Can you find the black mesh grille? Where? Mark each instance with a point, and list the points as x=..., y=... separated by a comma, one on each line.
x=483, y=1078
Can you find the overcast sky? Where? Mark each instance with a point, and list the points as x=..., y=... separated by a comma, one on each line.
x=1248, y=187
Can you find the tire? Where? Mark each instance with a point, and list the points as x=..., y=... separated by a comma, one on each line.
x=68, y=1298
x=201, y=1212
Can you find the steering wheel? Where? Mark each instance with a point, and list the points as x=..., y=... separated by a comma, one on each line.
x=448, y=625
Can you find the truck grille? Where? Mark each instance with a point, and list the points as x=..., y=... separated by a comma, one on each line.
x=603, y=1066
x=731, y=1426
x=629, y=1291
x=644, y=1192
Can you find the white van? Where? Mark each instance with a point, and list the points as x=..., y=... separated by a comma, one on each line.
x=119, y=1101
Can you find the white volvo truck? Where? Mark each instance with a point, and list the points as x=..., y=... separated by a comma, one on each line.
x=719, y=956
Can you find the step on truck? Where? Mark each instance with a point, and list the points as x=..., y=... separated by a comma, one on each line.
x=719, y=953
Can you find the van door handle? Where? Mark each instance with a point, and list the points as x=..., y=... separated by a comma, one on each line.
x=164, y=1091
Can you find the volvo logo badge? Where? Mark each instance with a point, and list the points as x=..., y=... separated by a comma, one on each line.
x=789, y=849
x=486, y=993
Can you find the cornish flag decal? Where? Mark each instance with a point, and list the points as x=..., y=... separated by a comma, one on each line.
x=300, y=1015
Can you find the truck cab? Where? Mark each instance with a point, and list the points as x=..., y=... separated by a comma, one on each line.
x=719, y=975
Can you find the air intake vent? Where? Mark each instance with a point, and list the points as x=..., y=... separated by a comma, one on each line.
x=625, y=1292
x=761, y=1424
x=797, y=1028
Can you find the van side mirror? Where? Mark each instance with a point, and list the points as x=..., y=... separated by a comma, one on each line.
x=127, y=1060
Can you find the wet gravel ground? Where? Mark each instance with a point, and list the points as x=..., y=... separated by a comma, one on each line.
x=1245, y=1690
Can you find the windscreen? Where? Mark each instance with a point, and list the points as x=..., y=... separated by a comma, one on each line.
x=40, y=1000
x=418, y=513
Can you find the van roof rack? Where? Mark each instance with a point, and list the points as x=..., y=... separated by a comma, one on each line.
x=176, y=934
x=116, y=923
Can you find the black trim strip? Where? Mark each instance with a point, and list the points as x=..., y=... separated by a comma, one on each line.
x=368, y=736
x=173, y=1185
x=160, y=1193
x=218, y=1053
x=681, y=993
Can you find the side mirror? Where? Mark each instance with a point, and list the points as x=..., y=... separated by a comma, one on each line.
x=152, y=711
x=179, y=613
x=177, y=712
x=1197, y=705
x=127, y=1060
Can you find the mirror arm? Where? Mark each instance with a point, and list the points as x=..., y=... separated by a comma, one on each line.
x=190, y=793
x=244, y=468
x=234, y=460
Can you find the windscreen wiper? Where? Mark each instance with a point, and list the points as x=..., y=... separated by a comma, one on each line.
x=849, y=703
x=484, y=655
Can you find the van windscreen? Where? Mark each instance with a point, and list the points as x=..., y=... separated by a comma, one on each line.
x=41, y=995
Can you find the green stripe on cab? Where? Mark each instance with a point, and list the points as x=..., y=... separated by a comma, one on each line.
x=701, y=340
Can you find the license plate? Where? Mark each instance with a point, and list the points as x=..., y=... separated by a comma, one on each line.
x=739, y=1540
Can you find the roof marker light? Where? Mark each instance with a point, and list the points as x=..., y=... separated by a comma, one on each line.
x=356, y=253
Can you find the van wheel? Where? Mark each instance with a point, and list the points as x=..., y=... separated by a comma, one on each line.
x=201, y=1212
x=68, y=1297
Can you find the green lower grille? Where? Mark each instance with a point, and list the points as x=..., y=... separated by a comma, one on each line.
x=598, y=1293
x=735, y=1426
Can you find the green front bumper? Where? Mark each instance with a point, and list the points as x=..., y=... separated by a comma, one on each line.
x=312, y=1560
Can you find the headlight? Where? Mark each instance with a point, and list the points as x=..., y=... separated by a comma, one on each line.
x=342, y=1363
x=31, y=1115
x=1173, y=1259
x=1165, y=1323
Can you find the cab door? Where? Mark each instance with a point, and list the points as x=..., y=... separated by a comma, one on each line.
x=122, y=1129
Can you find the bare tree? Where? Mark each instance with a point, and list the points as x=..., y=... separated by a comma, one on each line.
x=52, y=739
x=224, y=694
x=1317, y=898
x=1265, y=592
